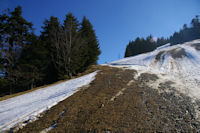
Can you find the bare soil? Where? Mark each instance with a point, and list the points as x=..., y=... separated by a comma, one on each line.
x=159, y=55
x=196, y=46
x=135, y=108
x=177, y=53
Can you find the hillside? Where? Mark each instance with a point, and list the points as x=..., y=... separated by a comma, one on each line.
x=153, y=92
x=22, y=109
x=117, y=101
x=179, y=63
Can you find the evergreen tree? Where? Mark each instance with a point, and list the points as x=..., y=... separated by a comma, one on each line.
x=161, y=41
x=91, y=48
x=48, y=38
x=71, y=45
x=140, y=46
x=72, y=49
x=14, y=33
x=60, y=52
x=31, y=64
x=187, y=33
x=129, y=50
x=196, y=27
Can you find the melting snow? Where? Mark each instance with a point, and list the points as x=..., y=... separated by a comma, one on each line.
x=26, y=107
x=179, y=63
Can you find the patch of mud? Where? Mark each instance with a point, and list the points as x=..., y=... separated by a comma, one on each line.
x=196, y=46
x=175, y=53
x=159, y=56
x=178, y=53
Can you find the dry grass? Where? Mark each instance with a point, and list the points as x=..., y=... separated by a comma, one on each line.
x=82, y=107
x=138, y=109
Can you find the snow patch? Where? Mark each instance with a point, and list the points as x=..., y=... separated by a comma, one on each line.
x=179, y=63
x=20, y=110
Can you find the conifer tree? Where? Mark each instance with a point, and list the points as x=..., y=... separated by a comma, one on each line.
x=61, y=51
x=31, y=64
x=128, y=51
x=92, y=45
x=14, y=33
x=146, y=45
x=48, y=40
x=71, y=45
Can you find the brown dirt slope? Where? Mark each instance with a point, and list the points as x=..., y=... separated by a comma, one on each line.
x=116, y=102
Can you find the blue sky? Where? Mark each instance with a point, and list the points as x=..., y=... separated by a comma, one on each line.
x=116, y=22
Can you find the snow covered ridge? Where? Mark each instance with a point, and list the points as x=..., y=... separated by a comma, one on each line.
x=179, y=63
x=26, y=107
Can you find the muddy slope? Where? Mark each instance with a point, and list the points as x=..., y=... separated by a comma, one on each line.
x=116, y=102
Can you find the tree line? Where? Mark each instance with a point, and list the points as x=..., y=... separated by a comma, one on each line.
x=141, y=45
x=61, y=51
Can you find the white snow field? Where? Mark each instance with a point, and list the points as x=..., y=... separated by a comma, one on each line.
x=179, y=63
x=15, y=111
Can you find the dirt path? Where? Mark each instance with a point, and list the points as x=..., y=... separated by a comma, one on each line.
x=116, y=102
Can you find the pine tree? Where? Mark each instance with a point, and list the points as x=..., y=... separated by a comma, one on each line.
x=31, y=64
x=129, y=51
x=14, y=33
x=49, y=40
x=92, y=45
x=196, y=27
x=187, y=33
x=71, y=45
x=60, y=52
x=72, y=48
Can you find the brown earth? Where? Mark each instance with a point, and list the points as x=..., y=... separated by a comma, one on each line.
x=175, y=53
x=116, y=102
x=178, y=53
x=196, y=46
x=159, y=55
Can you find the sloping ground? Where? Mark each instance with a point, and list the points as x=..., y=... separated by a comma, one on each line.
x=180, y=63
x=120, y=100
x=152, y=92
x=26, y=107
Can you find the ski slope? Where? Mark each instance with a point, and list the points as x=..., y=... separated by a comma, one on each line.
x=179, y=63
x=24, y=108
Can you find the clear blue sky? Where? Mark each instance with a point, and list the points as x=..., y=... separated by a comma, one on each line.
x=116, y=22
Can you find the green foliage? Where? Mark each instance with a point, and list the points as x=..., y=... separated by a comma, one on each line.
x=140, y=46
x=3, y=87
x=61, y=51
x=92, y=45
x=187, y=33
x=31, y=64
x=72, y=48
x=50, y=31
x=14, y=34
x=1, y=61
